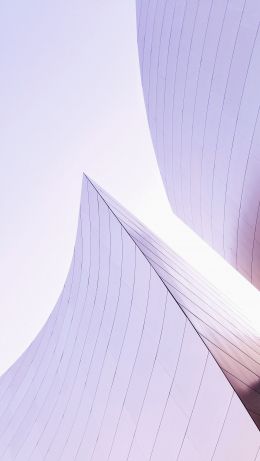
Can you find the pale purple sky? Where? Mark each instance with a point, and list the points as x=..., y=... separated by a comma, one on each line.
x=71, y=101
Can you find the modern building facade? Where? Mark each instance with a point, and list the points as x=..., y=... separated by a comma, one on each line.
x=221, y=326
x=200, y=71
x=142, y=359
x=139, y=359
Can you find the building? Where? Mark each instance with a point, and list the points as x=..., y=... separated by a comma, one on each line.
x=200, y=72
x=126, y=366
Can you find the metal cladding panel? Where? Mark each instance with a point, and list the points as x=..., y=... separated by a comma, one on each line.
x=223, y=329
x=118, y=372
x=200, y=69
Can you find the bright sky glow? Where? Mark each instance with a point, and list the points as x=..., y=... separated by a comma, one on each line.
x=71, y=101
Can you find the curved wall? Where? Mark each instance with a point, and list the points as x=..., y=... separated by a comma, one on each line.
x=200, y=71
x=228, y=336
x=118, y=372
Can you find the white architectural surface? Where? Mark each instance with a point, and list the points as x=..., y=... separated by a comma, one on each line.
x=119, y=372
x=200, y=71
x=219, y=322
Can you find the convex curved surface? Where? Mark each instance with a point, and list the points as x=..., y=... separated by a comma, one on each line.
x=200, y=68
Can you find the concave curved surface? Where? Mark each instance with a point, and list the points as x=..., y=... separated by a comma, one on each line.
x=118, y=371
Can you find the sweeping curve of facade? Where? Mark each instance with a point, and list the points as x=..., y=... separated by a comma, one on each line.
x=122, y=370
x=200, y=72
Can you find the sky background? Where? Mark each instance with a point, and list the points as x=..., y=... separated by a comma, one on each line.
x=71, y=101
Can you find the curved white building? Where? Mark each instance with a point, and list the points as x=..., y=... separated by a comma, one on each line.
x=200, y=67
x=125, y=368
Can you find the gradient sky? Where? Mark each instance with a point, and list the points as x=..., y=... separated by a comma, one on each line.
x=71, y=101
